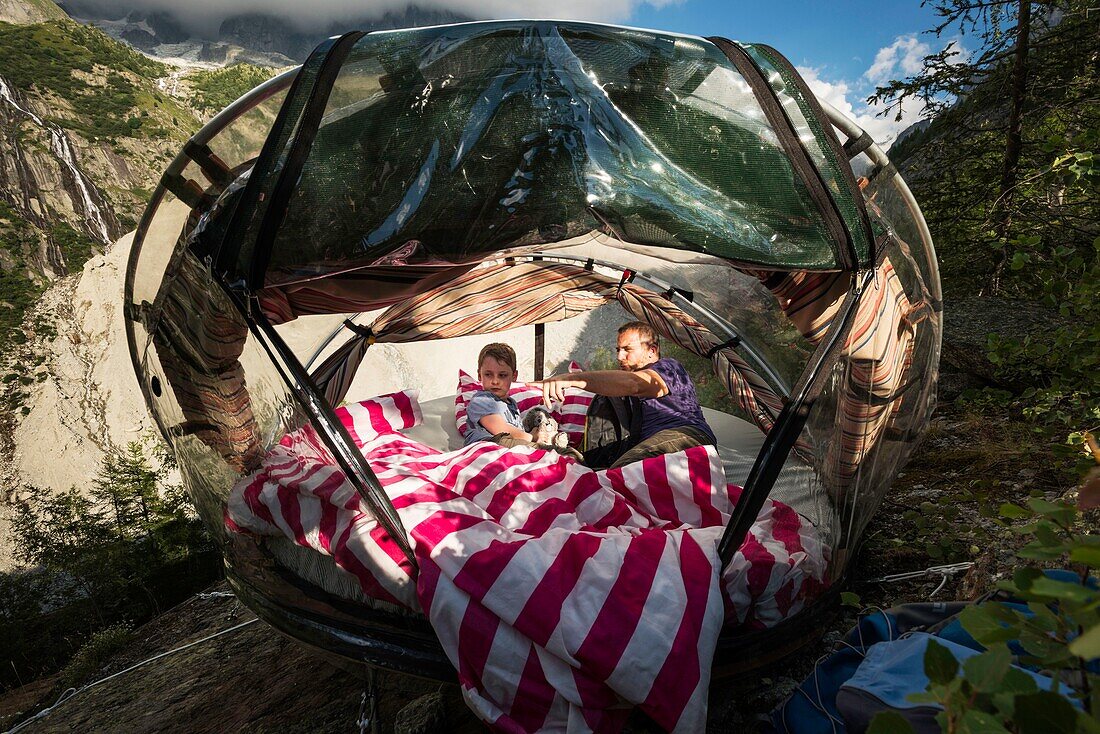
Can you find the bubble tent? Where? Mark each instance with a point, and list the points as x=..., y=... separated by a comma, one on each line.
x=693, y=183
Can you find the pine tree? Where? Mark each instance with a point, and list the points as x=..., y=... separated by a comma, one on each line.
x=1028, y=84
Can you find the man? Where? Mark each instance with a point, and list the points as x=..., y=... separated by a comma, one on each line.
x=671, y=419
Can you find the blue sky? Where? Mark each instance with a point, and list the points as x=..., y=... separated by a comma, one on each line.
x=842, y=47
x=840, y=38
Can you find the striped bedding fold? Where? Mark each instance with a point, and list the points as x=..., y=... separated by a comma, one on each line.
x=563, y=596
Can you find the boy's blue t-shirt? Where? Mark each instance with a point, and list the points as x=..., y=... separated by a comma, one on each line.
x=484, y=403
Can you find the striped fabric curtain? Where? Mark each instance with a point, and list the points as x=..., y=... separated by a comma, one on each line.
x=879, y=352
x=507, y=295
x=482, y=301
x=198, y=342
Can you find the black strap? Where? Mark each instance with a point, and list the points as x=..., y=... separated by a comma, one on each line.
x=228, y=248
x=688, y=296
x=364, y=331
x=854, y=147
x=833, y=143
x=728, y=344
x=296, y=157
x=186, y=190
x=213, y=167
x=889, y=171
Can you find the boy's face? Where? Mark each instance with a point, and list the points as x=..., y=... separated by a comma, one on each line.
x=496, y=377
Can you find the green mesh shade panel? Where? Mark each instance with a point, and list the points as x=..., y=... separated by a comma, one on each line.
x=820, y=142
x=448, y=144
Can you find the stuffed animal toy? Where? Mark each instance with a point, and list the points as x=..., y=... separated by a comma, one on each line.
x=543, y=428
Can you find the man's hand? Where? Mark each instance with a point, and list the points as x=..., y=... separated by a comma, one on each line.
x=553, y=388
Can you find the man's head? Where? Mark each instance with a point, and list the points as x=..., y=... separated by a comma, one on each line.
x=638, y=346
x=496, y=368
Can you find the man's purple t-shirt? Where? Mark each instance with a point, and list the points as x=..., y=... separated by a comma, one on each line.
x=677, y=409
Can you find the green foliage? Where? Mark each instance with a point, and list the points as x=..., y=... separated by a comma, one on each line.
x=889, y=722
x=935, y=528
x=49, y=57
x=76, y=247
x=19, y=289
x=1063, y=366
x=1059, y=635
x=94, y=654
x=215, y=90
x=1035, y=235
x=114, y=555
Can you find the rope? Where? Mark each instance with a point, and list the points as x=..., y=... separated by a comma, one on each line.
x=817, y=700
x=367, y=720
x=944, y=572
x=73, y=692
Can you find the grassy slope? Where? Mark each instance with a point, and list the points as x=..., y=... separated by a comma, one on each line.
x=103, y=93
x=214, y=90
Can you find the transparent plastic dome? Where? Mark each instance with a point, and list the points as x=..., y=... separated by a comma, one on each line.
x=295, y=256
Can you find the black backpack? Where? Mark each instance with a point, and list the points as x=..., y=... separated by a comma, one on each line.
x=611, y=428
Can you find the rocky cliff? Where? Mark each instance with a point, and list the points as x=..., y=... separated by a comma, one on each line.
x=29, y=11
x=269, y=34
x=257, y=37
x=87, y=124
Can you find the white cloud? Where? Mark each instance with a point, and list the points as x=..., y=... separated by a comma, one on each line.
x=206, y=14
x=904, y=57
x=848, y=101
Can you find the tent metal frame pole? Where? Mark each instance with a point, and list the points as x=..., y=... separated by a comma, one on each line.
x=777, y=445
x=332, y=431
x=879, y=157
x=718, y=325
x=788, y=426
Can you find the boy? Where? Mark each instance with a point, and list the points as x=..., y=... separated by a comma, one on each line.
x=491, y=415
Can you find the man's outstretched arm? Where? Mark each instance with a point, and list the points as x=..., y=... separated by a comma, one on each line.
x=643, y=384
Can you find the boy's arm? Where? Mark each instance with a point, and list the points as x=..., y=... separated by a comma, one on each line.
x=495, y=424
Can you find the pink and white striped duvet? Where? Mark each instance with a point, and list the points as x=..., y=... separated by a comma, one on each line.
x=562, y=595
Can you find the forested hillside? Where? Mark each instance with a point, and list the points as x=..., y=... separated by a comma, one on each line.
x=1008, y=476
x=1005, y=175
x=87, y=125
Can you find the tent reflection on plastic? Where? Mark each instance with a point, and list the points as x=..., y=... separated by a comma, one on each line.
x=382, y=193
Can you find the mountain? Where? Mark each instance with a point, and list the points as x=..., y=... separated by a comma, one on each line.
x=29, y=11
x=87, y=125
x=88, y=122
x=259, y=32
x=264, y=39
